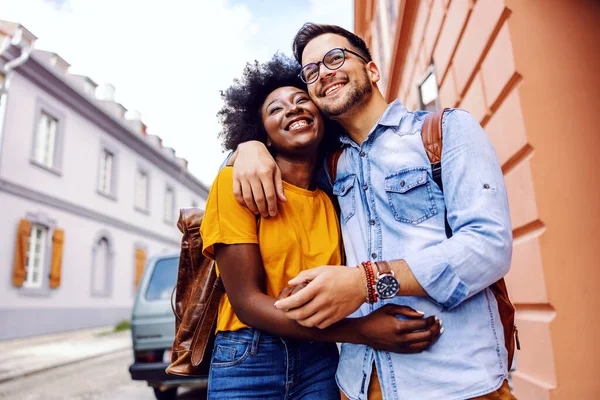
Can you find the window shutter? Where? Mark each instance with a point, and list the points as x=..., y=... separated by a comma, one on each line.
x=21, y=248
x=140, y=262
x=57, y=249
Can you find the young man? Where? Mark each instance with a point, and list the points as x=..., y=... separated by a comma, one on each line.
x=392, y=210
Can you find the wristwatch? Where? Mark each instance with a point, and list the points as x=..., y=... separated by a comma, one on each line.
x=386, y=284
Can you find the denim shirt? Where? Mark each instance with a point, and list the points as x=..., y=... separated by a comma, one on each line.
x=392, y=209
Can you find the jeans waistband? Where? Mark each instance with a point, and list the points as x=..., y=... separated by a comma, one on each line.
x=255, y=336
x=248, y=335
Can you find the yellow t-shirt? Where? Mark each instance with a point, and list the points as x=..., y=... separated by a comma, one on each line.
x=305, y=234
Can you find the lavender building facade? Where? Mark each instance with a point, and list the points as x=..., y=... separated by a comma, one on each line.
x=86, y=195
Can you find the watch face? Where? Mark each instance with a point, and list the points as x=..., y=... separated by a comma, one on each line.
x=387, y=287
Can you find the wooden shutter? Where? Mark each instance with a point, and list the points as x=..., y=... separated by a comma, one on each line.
x=21, y=247
x=140, y=263
x=57, y=250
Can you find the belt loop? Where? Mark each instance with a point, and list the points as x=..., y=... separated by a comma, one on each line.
x=255, y=339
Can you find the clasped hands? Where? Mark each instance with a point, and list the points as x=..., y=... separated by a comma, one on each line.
x=322, y=296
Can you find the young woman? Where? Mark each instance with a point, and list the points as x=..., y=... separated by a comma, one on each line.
x=259, y=352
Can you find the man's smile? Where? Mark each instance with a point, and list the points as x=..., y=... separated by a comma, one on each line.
x=332, y=88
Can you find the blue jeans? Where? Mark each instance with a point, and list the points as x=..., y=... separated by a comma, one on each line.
x=249, y=364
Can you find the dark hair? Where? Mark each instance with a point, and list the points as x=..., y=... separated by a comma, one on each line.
x=309, y=31
x=241, y=117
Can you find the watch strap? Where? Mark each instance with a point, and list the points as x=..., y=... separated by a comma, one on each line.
x=383, y=267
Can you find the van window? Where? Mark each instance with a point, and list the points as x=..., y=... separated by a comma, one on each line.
x=163, y=279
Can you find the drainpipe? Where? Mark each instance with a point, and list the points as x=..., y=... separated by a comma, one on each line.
x=7, y=70
x=5, y=43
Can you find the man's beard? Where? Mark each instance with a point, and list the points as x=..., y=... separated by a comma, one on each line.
x=355, y=96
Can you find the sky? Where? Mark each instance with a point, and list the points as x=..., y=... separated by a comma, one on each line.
x=169, y=60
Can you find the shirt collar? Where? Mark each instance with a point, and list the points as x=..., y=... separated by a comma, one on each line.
x=390, y=118
x=393, y=115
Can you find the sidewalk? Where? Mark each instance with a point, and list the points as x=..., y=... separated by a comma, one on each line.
x=22, y=357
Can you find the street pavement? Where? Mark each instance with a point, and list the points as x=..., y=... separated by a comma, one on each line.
x=23, y=357
x=104, y=377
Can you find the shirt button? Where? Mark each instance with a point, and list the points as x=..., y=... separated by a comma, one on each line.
x=365, y=187
x=402, y=183
x=486, y=186
x=372, y=222
x=374, y=255
x=362, y=154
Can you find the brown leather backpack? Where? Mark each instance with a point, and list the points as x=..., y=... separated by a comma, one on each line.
x=197, y=296
x=431, y=135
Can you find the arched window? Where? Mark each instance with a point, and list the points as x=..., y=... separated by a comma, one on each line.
x=101, y=273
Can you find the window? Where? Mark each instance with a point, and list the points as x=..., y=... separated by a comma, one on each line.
x=163, y=279
x=169, y=204
x=108, y=167
x=46, y=137
x=101, y=267
x=428, y=91
x=36, y=255
x=141, y=190
x=105, y=182
x=392, y=11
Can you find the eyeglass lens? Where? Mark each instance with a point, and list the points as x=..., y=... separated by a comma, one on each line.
x=332, y=60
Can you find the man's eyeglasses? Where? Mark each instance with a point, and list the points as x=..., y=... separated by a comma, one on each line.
x=334, y=59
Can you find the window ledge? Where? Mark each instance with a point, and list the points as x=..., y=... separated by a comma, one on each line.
x=54, y=170
x=107, y=195
x=142, y=210
x=34, y=292
x=104, y=295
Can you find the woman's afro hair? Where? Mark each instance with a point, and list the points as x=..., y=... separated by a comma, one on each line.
x=241, y=117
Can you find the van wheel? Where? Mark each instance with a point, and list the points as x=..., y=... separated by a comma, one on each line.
x=169, y=394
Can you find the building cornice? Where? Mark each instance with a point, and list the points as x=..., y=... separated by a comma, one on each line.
x=35, y=71
x=72, y=208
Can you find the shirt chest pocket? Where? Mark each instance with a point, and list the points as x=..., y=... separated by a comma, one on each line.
x=410, y=195
x=344, y=189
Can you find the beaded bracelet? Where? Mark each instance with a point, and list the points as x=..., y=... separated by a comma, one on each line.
x=372, y=286
x=371, y=281
x=365, y=281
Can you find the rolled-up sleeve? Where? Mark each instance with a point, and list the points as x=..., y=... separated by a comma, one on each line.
x=480, y=250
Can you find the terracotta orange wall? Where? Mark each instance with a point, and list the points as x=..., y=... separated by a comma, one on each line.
x=556, y=48
x=526, y=70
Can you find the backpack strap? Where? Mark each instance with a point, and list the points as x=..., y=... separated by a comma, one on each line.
x=332, y=162
x=431, y=134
